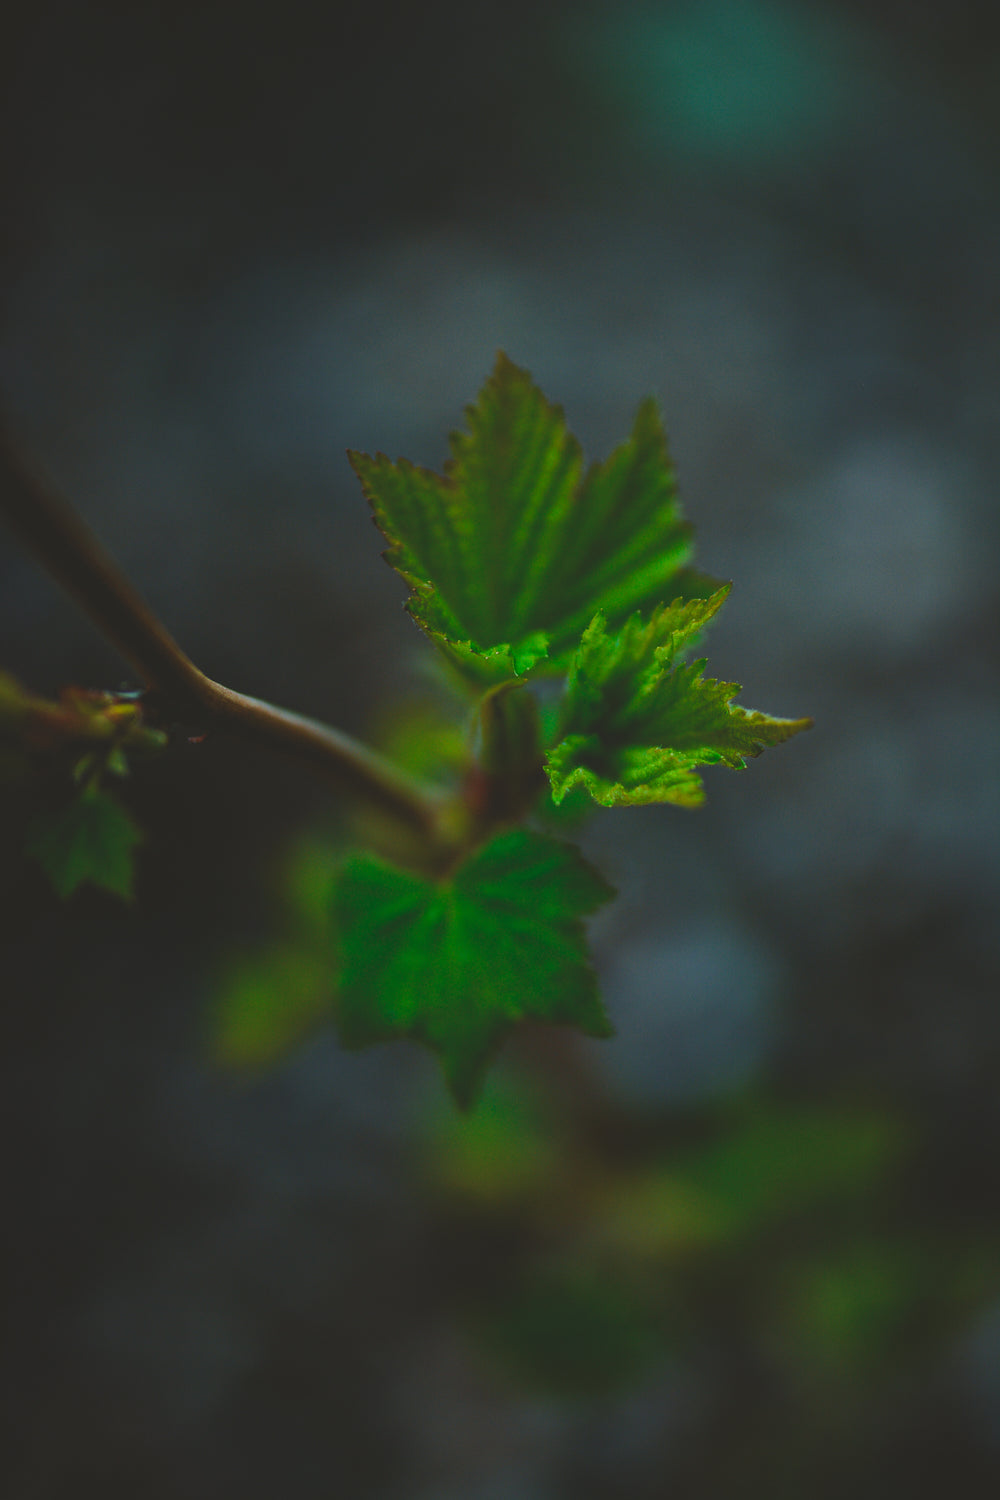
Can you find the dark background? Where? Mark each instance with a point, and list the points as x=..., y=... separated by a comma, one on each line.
x=753, y=1244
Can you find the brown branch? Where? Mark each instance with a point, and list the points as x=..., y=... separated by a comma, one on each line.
x=61, y=541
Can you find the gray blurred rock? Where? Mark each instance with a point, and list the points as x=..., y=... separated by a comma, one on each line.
x=694, y=1012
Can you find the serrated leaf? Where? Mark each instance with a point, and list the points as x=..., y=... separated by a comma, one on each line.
x=496, y=664
x=637, y=721
x=511, y=551
x=89, y=839
x=455, y=963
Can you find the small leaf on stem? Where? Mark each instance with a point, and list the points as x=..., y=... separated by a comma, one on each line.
x=637, y=720
x=88, y=839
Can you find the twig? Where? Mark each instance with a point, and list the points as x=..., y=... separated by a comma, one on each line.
x=73, y=556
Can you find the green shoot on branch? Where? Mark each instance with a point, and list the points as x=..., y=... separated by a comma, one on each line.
x=522, y=564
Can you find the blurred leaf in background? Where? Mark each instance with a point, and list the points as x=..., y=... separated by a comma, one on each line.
x=569, y=1332
x=789, y=1216
x=88, y=839
x=500, y=1153
x=269, y=999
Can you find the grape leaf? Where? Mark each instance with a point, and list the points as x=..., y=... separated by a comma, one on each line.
x=88, y=839
x=511, y=551
x=637, y=721
x=455, y=963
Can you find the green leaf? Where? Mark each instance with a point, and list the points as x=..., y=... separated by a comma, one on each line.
x=637, y=721
x=455, y=963
x=494, y=665
x=511, y=551
x=89, y=839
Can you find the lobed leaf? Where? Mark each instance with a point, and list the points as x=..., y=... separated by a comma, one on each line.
x=637, y=721
x=456, y=963
x=511, y=551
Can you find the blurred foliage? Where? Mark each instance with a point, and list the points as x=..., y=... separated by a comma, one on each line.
x=90, y=838
x=54, y=758
x=499, y=1153
x=568, y=1332
x=789, y=1224
x=268, y=1000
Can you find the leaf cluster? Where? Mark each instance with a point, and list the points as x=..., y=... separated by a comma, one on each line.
x=523, y=563
x=68, y=749
x=563, y=599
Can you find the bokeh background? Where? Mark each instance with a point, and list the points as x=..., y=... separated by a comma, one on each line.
x=753, y=1244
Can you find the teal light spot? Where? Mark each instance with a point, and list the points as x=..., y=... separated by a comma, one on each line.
x=729, y=79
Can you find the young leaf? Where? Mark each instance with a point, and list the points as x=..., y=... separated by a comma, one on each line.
x=637, y=722
x=454, y=964
x=511, y=551
x=91, y=838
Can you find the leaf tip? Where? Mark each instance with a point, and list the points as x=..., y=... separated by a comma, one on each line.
x=359, y=461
